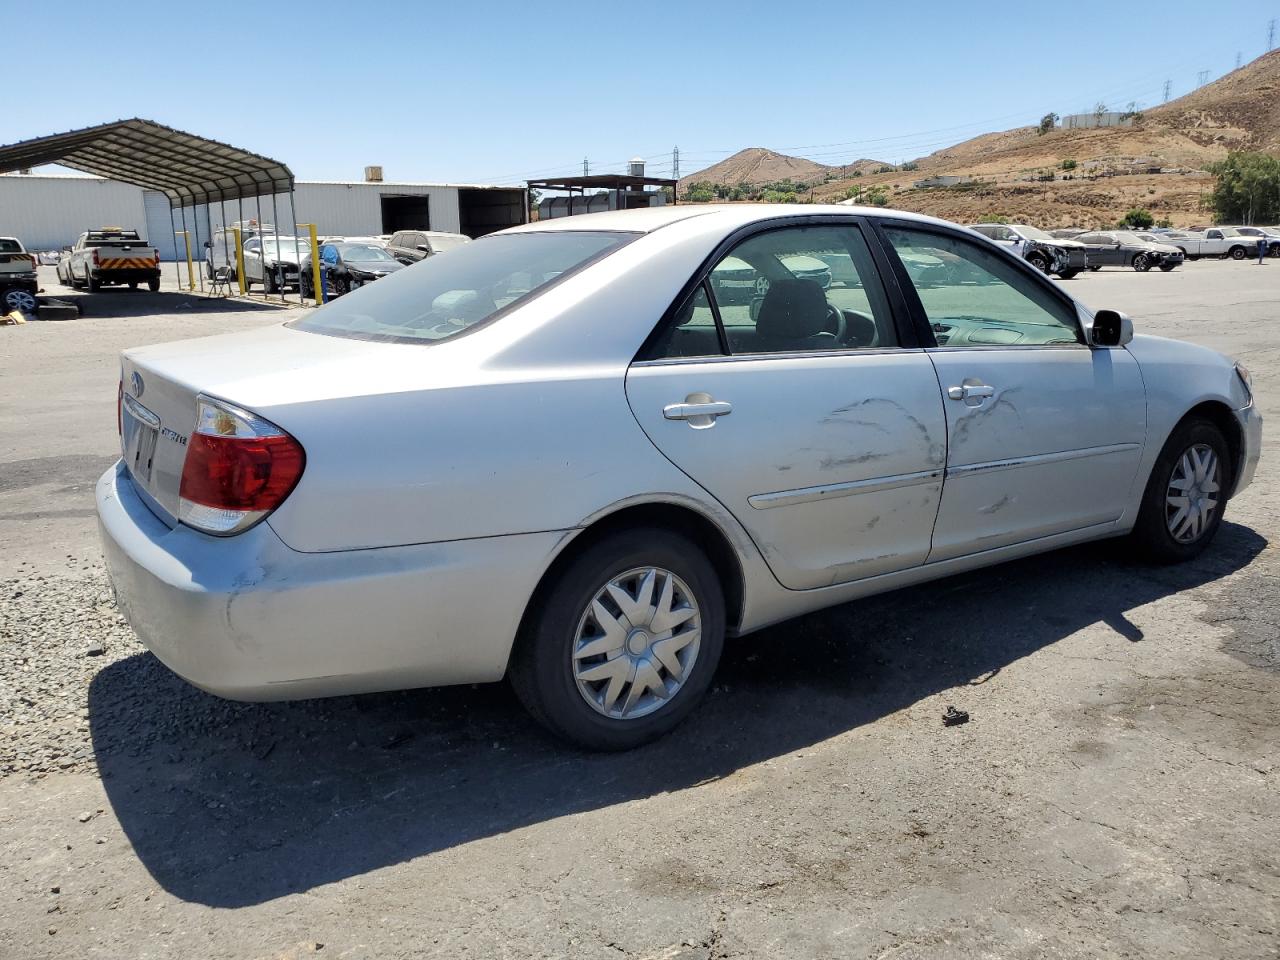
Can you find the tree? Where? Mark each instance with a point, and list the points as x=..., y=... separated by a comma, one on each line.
x=1247, y=189
x=1047, y=123
x=1099, y=111
x=876, y=197
x=701, y=191
x=1138, y=219
x=1068, y=164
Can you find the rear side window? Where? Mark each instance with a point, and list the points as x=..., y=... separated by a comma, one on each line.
x=10, y=246
x=974, y=296
x=441, y=297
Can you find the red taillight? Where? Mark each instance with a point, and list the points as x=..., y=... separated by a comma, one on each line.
x=95, y=258
x=120, y=406
x=238, y=469
x=157, y=255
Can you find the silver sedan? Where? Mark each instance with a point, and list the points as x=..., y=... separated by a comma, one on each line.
x=557, y=455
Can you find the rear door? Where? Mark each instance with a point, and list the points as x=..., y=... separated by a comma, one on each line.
x=811, y=413
x=1045, y=433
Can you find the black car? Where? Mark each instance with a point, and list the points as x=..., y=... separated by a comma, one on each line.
x=1048, y=254
x=410, y=246
x=1120, y=248
x=346, y=266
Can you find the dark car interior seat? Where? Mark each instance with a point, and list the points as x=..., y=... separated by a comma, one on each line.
x=793, y=316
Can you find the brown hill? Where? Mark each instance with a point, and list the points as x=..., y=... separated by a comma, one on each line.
x=1018, y=173
x=756, y=165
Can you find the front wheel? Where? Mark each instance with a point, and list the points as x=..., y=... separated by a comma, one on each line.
x=1095, y=266
x=1237, y=253
x=270, y=282
x=1141, y=263
x=1166, y=267
x=1039, y=262
x=1185, y=495
x=624, y=643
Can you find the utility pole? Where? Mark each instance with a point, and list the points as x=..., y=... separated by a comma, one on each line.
x=1167, y=84
x=675, y=163
x=586, y=167
x=1237, y=59
x=1202, y=78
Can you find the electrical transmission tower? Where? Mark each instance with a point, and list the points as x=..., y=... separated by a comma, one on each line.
x=1237, y=59
x=1202, y=78
x=586, y=167
x=675, y=163
x=1271, y=34
x=1167, y=85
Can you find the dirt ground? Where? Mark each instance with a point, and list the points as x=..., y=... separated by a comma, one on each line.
x=1115, y=793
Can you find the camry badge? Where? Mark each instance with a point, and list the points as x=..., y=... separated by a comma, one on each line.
x=136, y=384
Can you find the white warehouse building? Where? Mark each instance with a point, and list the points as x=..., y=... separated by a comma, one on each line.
x=48, y=212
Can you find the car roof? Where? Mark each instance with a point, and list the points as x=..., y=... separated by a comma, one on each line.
x=733, y=215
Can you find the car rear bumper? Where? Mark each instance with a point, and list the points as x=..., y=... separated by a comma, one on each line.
x=124, y=274
x=248, y=618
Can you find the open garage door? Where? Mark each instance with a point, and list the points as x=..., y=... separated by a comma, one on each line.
x=408, y=212
x=483, y=211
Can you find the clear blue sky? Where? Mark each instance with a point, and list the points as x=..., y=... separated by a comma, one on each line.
x=497, y=92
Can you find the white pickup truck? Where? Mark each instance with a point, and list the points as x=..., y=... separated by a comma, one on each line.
x=1215, y=242
x=18, y=284
x=110, y=255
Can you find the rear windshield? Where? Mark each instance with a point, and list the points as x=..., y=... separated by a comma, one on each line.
x=9, y=246
x=441, y=297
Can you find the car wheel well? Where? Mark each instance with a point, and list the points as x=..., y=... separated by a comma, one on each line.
x=667, y=516
x=1220, y=415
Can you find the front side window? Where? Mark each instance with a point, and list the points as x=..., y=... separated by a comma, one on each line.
x=976, y=297
x=444, y=296
x=794, y=289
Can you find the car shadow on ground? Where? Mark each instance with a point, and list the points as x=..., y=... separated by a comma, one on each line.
x=111, y=302
x=230, y=804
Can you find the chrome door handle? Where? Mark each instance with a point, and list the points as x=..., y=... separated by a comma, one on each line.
x=971, y=392
x=688, y=411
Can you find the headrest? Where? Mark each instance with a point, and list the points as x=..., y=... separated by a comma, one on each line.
x=792, y=310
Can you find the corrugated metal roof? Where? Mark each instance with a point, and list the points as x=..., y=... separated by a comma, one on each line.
x=187, y=168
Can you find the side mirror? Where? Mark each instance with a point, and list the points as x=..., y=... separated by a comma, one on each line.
x=1111, y=328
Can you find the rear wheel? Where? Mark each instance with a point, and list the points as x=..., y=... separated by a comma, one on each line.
x=1185, y=495
x=93, y=284
x=133, y=284
x=624, y=643
x=154, y=285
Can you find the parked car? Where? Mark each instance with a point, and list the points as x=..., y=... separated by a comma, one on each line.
x=273, y=261
x=1047, y=253
x=1066, y=233
x=1271, y=235
x=736, y=281
x=410, y=246
x=348, y=266
x=1120, y=248
x=551, y=456
x=18, y=279
x=111, y=255
x=1216, y=242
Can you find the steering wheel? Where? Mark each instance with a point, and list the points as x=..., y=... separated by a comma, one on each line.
x=835, y=316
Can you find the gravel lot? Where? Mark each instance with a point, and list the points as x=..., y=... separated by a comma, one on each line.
x=1115, y=794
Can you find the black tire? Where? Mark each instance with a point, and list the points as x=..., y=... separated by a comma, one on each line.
x=1039, y=262
x=1166, y=267
x=270, y=282
x=154, y=285
x=1141, y=263
x=1237, y=253
x=1095, y=267
x=1151, y=536
x=541, y=664
x=93, y=285
x=133, y=284
x=1067, y=274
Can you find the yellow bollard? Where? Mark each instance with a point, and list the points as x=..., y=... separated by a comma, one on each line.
x=239, y=260
x=191, y=276
x=315, y=261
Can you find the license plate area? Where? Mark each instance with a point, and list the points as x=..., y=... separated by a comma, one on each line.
x=139, y=431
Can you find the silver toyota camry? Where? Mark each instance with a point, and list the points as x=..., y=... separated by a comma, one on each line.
x=561, y=455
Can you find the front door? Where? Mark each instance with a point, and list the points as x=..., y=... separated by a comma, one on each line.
x=800, y=409
x=1045, y=433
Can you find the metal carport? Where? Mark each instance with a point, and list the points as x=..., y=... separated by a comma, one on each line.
x=190, y=170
